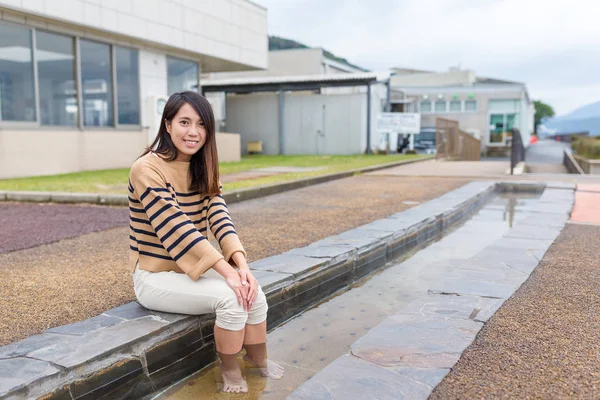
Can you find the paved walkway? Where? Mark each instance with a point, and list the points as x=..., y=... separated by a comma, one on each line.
x=78, y=278
x=546, y=152
x=494, y=170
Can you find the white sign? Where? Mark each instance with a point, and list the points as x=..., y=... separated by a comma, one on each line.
x=405, y=123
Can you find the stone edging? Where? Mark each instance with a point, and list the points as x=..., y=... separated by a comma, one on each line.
x=130, y=351
x=230, y=196
x=411, y=351
x=589, y=166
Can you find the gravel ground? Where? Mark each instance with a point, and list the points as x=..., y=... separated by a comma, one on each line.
x=544, y=342
x=78, y=278
x=28, y=225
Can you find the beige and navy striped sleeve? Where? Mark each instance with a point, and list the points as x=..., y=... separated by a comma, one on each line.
x=222, y=227
x=191, y=250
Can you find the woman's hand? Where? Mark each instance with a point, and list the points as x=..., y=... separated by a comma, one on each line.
x=234, y=281
x=240, y=287
x=246, y=276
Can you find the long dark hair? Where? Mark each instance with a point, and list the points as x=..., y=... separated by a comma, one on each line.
x=204, y=165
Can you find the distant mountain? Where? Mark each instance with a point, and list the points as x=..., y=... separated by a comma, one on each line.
x=279, y=43
x=589, y=111
x=583, y=119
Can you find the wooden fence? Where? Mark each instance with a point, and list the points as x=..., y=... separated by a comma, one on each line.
x=454, y=144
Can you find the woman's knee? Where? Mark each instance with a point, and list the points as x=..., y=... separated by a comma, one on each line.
x=258, y=312
x=230, y=314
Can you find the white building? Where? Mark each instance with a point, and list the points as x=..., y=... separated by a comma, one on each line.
x=485, y=107
x=289, y=62
x=79, y=79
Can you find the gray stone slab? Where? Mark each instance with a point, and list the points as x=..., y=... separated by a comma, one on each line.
x=389, y=225
x=269, y=279
x=133, y=310
x=2, y=195
x=543, y=221
x=352, y=378
x=520, y=243
x=505, y=276
x=416, y=341
x=474, y=288
x=28, y=345
x=289, y=264
x=331, y=252
x=443, y=306
x=561, y=185
x=86, y=326
x=533, y=232
x=429, y=376
x=520, y=259
x=521, y=186
x=77, y=350
x=551, y=208
x=16, y=373
x=28, y=196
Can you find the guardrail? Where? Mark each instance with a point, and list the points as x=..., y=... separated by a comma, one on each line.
x=454, y=144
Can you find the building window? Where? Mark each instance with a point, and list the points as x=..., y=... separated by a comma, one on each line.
x=128, y=89
x=96, y=79
x=182, y=75
x=471, y=105
x=56, y=79
x=455, y=106
x=440, y=106
x=425, y=106
x=17, y=93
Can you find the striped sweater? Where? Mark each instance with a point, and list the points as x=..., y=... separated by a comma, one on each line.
x=169, y=224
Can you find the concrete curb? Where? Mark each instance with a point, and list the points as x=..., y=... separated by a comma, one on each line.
x=230, y=197
x=130, y=351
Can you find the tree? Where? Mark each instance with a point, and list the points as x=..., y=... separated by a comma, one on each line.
x=542, y=111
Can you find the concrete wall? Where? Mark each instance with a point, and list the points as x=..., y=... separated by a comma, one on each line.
x=314, y=124
x=323, y=124
x=254, y=117
x=232, y=34
x=63, y=151
x=453, y=77
x=282, y=63
x=229, y=147
x=588, y=166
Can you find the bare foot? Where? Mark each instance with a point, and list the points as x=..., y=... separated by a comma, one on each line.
x=233, y=382
x=267, y=368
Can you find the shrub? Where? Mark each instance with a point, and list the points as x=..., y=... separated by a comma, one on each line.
x=588, y=147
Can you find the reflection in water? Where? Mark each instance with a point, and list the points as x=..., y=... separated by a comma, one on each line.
x=515, y=203
x=510, y=210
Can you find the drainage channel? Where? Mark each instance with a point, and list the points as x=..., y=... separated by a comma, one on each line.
x=315, y=338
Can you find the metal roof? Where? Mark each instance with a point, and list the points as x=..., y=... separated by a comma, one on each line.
x=292, y=82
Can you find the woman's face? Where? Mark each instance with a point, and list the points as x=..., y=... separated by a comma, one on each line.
x=187, y=132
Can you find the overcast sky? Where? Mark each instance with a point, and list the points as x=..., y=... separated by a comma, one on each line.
x=551, y=45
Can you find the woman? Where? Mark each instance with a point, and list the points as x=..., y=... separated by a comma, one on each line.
x=174, y=196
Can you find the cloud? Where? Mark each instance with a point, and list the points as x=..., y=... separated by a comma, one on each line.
x=549, y=44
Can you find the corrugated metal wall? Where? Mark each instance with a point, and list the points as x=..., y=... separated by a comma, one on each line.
x=314, y=124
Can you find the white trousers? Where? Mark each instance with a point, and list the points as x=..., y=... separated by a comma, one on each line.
x=173, y=292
